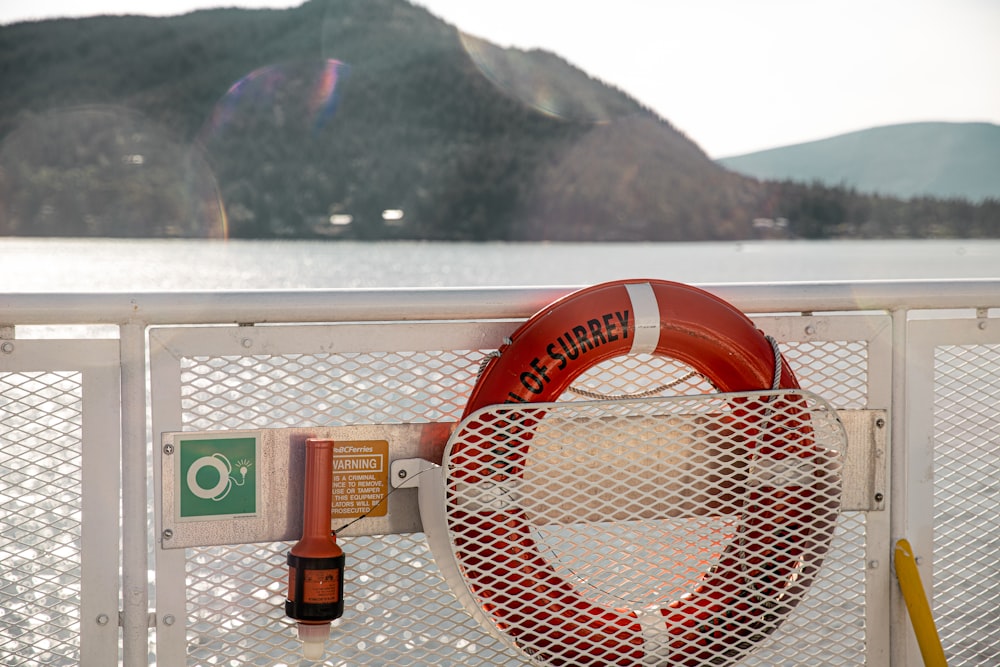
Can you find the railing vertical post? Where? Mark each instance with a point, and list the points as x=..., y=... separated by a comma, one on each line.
x=912, y=382
x=898, y=643
x=135, y=585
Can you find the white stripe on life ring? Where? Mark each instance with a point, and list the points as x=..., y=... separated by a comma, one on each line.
x=647, y=318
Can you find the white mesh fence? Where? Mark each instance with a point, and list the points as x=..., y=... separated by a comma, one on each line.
x=399, y=610
x=680, y=531
x=40, y=520
x=966, y=501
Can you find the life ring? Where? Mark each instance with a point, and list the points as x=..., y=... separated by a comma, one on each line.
x=504, y=567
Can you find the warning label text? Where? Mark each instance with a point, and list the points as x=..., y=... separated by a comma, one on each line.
x=360, y=478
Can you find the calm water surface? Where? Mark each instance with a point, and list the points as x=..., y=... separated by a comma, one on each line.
x=139, y=265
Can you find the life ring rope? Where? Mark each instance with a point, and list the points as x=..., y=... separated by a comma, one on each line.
x=654, y=391
x=780, y=487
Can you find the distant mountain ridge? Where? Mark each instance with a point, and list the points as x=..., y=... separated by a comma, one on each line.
x=935, y=159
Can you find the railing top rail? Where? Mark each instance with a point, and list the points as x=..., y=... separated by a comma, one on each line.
x=451, y=303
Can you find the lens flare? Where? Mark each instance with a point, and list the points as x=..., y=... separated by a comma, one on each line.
x=324, y=99
x=105, y=171
x=296, y=95
x=546, y=83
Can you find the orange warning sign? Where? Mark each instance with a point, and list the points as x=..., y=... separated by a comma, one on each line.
x=360, y=478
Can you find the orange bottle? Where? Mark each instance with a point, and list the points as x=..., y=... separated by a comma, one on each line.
x=316, y=563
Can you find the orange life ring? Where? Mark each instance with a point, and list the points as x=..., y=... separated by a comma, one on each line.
x=496, y=552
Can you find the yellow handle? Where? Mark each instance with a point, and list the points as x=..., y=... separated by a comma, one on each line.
x=916, y=603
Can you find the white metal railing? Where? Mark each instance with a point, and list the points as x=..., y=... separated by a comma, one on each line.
x=925, y=352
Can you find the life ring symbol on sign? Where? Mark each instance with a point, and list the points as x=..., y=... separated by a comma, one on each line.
x=497, y=553
x=224, y=469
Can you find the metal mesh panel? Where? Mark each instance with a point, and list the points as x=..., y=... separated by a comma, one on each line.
x=637, y=375
x=40, y=524
x=400, y=612
x=680, y=531
x=399, y=609
x=828, y=628
x=263, y=391
x=836, y=370
x=966, y=502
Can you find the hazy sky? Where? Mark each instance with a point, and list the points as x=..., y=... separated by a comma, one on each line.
x=734, y=75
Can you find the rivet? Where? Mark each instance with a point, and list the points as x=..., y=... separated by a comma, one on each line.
x=919, y=560
x=810, y=329
x=247, y=343
x=982, y=325
x=7, y=347
x=102, y=619
x=873, y=564
x=168, y=619
x=167, y=534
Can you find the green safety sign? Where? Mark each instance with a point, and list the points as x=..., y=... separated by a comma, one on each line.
x=217, y=477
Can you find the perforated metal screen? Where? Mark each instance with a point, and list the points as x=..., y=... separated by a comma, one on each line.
x=679, y=531
x=830, y=627
x=967, y=501
x=60, y=486
x=40, y=521
x=399, y=610
x=59, y=508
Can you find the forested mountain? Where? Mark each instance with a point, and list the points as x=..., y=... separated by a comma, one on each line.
x=371, y=119
x=946, y=160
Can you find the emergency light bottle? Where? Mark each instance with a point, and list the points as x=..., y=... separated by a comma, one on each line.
x=316, y=563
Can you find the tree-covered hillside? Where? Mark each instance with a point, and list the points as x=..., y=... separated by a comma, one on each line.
x=369, y=119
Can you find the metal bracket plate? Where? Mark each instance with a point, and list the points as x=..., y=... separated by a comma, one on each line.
x=279, y=465
x=412, y=449
x=865, y=481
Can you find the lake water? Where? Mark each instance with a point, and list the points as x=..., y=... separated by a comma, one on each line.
x=45, y=265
